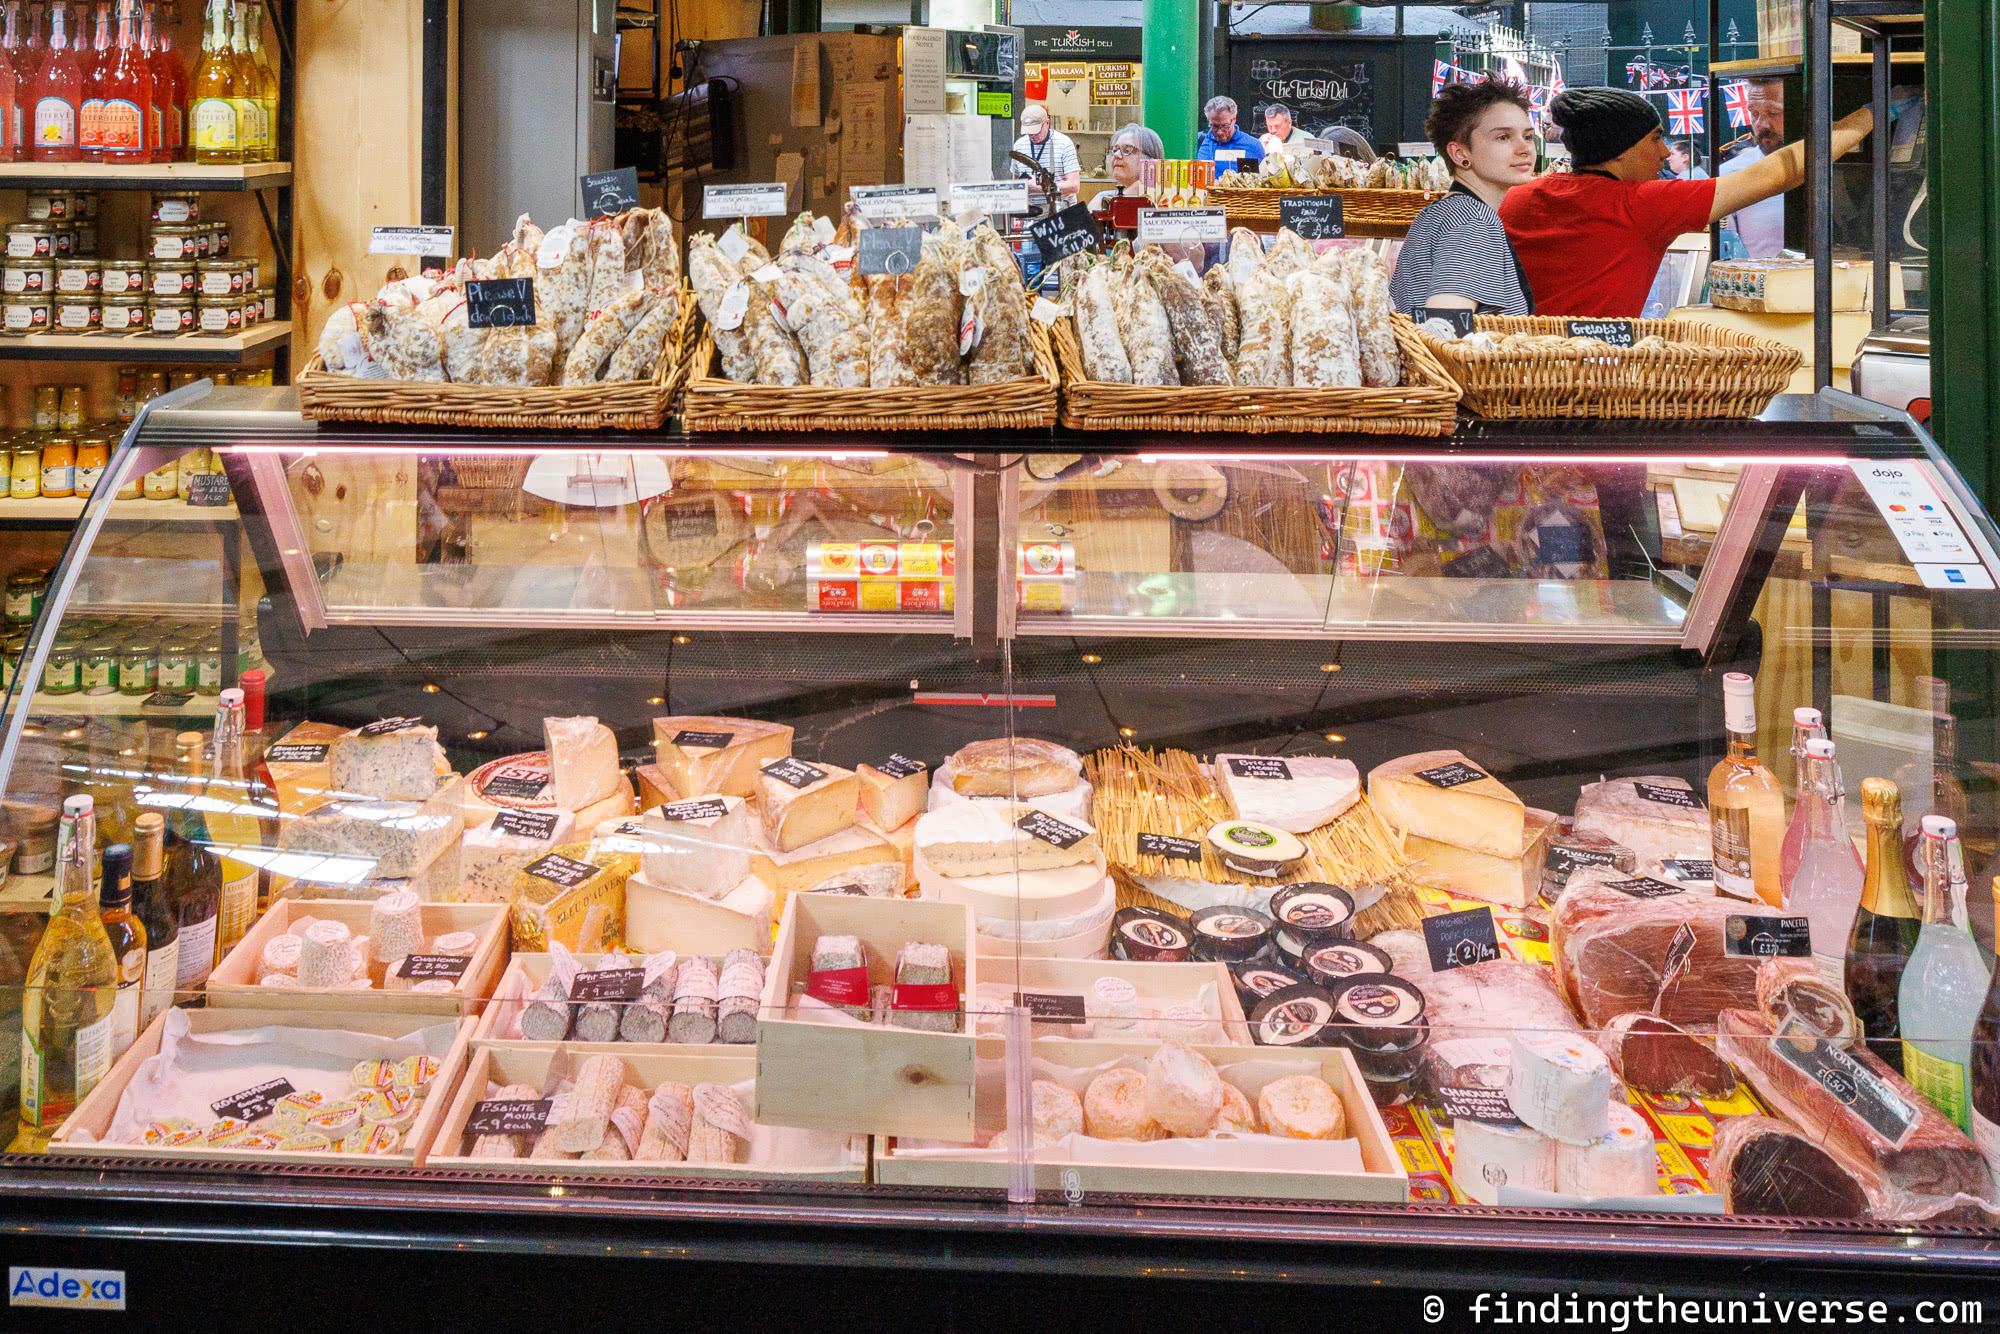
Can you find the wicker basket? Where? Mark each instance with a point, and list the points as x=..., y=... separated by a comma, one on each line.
x=1425, y=404
x=1708, y=373
x=712, y=403
x=1361, y=209
x=626, y=405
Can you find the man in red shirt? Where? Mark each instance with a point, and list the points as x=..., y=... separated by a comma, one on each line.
x=1592, y=240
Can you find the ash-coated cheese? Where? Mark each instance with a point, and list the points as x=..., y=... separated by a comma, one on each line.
x=1002, y=837
x=391, y=760
x=892, y=800
x=1295, y=793
x=496, y=850
x=699, y=844
x=1512, y=881
x=1487, y=1155
x=1620, y=1163
x=1443, y=796
x=309, y=876
x=1657, y=817
x=702, y=754
x=1560, y=1085
x=583, y=761
x=402, y=837
x=804, y=802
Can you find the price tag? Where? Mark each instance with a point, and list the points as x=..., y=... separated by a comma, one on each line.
x=253, y=1102
x=1478, y=1104
x=890, y=250
x=994, y=197
x=1458, y=318
x=1228, y=157
x=424, y=967
x=539, y=825
x=878, y=202
x=559, y=870
x=1313, y=216
x=1667, y=796
x=499, y=303
x=901, y=766
x=1865, y=1095
x=764, y=200
x=296, y=753
x=1618, y=333
x=419, y=241
x=709, y=809
x=1451, y=775
x=1756, y=937
x=706, y=740
x=1690, y=871
x=509, y=1116
x=166, y=699
x=1046, y=1007
x=1050, y=830
x=517, y=785
x=1416, y=148
x=208, y=490
x=1166, y=845
x=1182, y=226
x=388, y=726
x=1645, y=887
x=1071, y=231
x=850, y=890
x=608, y=984
x=1458, y=939
x=795, y=772
x=1260, y=766
x=607, y=192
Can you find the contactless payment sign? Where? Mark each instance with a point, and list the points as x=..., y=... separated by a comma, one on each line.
x=1926, y=530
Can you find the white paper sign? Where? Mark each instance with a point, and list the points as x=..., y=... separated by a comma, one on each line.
x=419, y=241
x=1917, y=515
x=764, y=200
x=1416, y=148
x=993, y=197
x=1229, y=156
x=923, y=69
x=1176, y=226
x=879, y=202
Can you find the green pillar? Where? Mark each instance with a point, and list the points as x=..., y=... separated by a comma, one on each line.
x=1962, y=115
x=1171, y=68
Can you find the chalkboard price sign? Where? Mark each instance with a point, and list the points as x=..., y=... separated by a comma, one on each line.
x=1459, y=318
x=1070, y=232
x=500, y=303
x=1314, y=217
x=1618, y=333
x=606, y=192
x=889, y=249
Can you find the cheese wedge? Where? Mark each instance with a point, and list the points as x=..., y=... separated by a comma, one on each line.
x=803, y=803
x=658, y=917
x=393, y=760
x=655, y=789
x=1512, y=881
x=1002, y=837
x=583, y=761
x=526, y=782
x=853, y=856
x=494, y=851
x=1295, y=793
x=701, y=754
x=573, y=894
x=300, y=768
x=1443, y=796
x=701, y=845
x=892, y=800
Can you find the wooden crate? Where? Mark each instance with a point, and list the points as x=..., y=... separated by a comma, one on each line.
x=525, y=975
x=1158, y=984
x=233, y=984
x=93, y=1118
x=1382, y=1178
x=517, y=1063
x=865, y=1079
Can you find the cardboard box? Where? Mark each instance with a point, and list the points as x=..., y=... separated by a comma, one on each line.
x=233, y=984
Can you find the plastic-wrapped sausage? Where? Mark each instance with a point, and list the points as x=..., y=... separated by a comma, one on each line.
x=823, y=315
x=1094, y=302
x=931, y=313
x=889, y=347
x=1142, y=320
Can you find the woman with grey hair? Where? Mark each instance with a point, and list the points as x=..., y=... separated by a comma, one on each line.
x=1132, y=145
x=1224, y=143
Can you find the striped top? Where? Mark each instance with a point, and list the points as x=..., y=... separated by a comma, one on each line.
x=1457, y=247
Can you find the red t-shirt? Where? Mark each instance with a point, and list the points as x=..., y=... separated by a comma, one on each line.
x=1591, y=245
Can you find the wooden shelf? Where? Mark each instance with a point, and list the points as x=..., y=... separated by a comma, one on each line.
x=192, y=349
x=1774, y=65
x=114, y=705
x=145, y=176
x=67, y=510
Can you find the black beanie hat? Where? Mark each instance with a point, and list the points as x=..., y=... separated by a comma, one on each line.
x=1600, y=123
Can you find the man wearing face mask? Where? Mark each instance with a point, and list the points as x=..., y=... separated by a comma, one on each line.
x=1591, y=241
x=1223, y=142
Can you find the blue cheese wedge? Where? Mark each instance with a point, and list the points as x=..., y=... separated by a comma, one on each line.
x=498, y=849
x=393, y=760
x=312, y=876
x=401, y=837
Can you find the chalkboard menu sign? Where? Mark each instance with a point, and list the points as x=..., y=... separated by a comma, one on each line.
x=1321, y=91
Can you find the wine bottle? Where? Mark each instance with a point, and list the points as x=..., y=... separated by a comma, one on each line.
x=156, y=914
x=194, y=880
x=1986, y=1064
x=1746, y=809
x=235, y=831
x=1885, y=927
x=128, y=943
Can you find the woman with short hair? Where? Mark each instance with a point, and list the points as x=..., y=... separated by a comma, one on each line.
x=1457, y=255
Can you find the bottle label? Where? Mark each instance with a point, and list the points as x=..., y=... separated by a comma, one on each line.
x=239, y=902
x=125, y=1011
x=121, y=127
x=90, y=124
x=93, y=1054
x=197, y=961
x=1832, y=968
x=31, y=1078
x=1729, y=830
x=1945, y=1083
x=55, y=123
x=215, y=127
x=162, y=973
x=1985, y=1133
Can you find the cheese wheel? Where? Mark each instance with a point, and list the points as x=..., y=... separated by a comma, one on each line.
x=1301, y=1107
x=1183, y=1092
x=1014, y=767
x=1487, y=1155
x=1621, y=1163
x=1063, y=893
x=1057, y=1112
x=1114, y=1107
x=1237, y=1114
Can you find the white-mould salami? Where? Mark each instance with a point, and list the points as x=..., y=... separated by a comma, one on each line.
x=1326, y=353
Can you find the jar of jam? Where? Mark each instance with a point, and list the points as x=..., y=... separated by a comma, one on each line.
x=177, y=667
x=219, y=277
x=136, y=662
x=208, y=666
x=25, y=474
x=25, y=592
x=124, y=313
x=172, y=206
x=93, y=454
x=100, y=666
x=31, y=240
x=171, y=278
x=78, y=314
x=59, y=467
x=219, y=314
x=75, y=277
x=26, y=313
x=177, y=242
x=64, y=673
x=219, y=240
x=35, y=277
x=121, y=275
x=48, y=407
x=172, y=315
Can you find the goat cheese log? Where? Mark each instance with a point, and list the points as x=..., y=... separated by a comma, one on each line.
x=931, y=313
x=1197, y=338
x=712, y=275
x=1094, y=301
x=888, y=345
x=1326, y=353
x=1142, y=319
x=606, y=331
x=1264, y=347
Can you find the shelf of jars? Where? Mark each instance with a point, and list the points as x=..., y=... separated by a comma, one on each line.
x=67, y=509
x=211, y=177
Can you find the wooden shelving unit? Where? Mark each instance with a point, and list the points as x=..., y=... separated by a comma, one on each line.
x=190, y=349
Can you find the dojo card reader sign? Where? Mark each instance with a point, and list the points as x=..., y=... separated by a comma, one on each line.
x=1925, y=528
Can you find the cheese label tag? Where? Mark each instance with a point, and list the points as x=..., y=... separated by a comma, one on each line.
x=1865, y=1095
x=1667, y=796
x=388, y=725
x=795, y=772
x=296, y=752
x=1690, y=870
x=527, y=824
x=901, y=766
x=253, y=1102
x=608, y=984
x=1478, y=1104
x=1645, y=887
x=516, y=784
x=850, y=890
x=509, y=1116
x=1565, y=862
x=560, y=870
x=1618, y=333
x=1260, y=766
x=1759, y=937
x=424, y=967
x=1050, y=1007
x=707, y=809
x=1458, y=939
x=1050, y=830
x=1166, y=845
x=706, y=740
x=1451, y=775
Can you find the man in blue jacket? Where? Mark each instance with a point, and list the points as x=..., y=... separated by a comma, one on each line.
x=1223, y=143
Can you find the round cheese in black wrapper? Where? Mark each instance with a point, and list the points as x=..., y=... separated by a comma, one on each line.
x=1230, y=935
x=1255, y=849
x=1290, y=950
x=1381, y=1019
x=1331, y=962
x=1147, y=935
x=1294, y=1016
x=1312, y=911
x=1254, y=981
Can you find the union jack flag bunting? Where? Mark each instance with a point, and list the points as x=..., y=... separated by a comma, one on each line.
x=1538, y=100
x=1637, y=71
x=1736, y=104
x=1684, y=111
x=1681, y=77
x=1441, y=74
x=1556, y=84
x=1657, y=78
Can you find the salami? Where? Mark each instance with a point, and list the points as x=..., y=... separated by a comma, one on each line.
x=1246, y=255
x=1289, y=254
x=607, y=268
x=608, y=328
x=562, y=288
x=1142, y=321
x=712, y=275
x=639, y=354
x=405, y=343
x=1197, y=335
x=889, y=349
x=1095, y=310
x=1002, y=353
x=1326, y=354
x=931, y=313
x=823, y=315
x=1381, y=362
x=1220, y=291
x=777, y=357
x=1264, y=345
x=660, y=258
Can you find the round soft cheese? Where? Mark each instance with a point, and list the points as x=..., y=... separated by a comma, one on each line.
x=1065, y=892
x=1070, y=803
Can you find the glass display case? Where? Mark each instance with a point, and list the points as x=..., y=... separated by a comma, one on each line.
x=1168, y=846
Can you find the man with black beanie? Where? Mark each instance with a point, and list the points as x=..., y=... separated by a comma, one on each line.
x=1591, y=240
